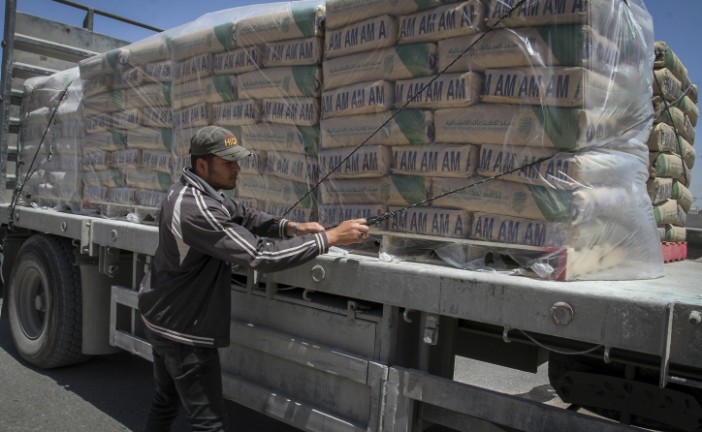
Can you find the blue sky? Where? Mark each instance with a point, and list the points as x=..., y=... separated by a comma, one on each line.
x=676, y=22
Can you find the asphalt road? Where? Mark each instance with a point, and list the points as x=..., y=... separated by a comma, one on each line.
x=107, y=394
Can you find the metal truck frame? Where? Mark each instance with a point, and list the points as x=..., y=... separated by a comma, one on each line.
x=349, y=342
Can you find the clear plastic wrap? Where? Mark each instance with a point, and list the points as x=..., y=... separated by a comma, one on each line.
x=483, y=125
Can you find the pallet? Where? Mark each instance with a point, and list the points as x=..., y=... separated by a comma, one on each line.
x=674, y=251
x=553, y=263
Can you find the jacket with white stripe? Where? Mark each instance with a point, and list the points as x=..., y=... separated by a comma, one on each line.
x=185, y=295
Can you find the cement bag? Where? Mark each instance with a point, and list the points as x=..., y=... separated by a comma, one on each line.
x=158, y=72
x=150, y=50
x=192, y=117
x=282, y=21
x=670, y=212
x=159, y=117
x=238, y=61
x=685, y=104
x=281, y=138
x=394, y=63
x=545, y=12
x=432, y=221
x=676, y=118
x=95, y=159
x=254, y=164
x=201, y=37
x=127, y=119
x=672, y=233
x=687, y=152
x=129, y=78
x=296, y=52
x=332, y=215
x=400, y=128
x=292, y=166
x=111, y=177
x=107, y=102
x=216, y=89
x=659, y=189
x=399, y=190
x=666, y=85
x=608, y=203
x=98, y=123
x=444, y=91
x=158, y=160
x=126, y=158
x=566, y=170
x=443, y=22
x=96, y=84
x=556, y=86
x=121, y=195
x=148, y=179
x=237, y=113
x=563, y=45
x=365, y=161
x=669, y=165
x=436, y=160
x=665, y=58
x=150, y=138
x=363, y=98
x=150, y=198
x=111, y=141
x=367, y=35
x=296, y=81
x=344, y=12
x=295, y=214
x=113, y=61
x=293, y=111
x=535, y=126
x=662, y=139
x=518, y=231
x=682, y=195
x=193, y=68
x=274, y=189
x=149, y=95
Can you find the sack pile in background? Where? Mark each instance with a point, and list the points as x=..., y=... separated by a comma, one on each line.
x=396, y=103
x=672, y=154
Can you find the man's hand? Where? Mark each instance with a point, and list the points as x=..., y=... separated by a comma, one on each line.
x=348, y=232
x=309, y=228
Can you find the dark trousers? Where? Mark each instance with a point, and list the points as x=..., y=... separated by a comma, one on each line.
x=188, y=376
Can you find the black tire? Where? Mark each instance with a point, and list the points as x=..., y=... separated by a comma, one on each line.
x=45, y=308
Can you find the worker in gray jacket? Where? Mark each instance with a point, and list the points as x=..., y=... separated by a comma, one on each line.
x=184, y=298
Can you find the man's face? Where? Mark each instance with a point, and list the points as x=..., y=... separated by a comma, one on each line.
x=220, y=173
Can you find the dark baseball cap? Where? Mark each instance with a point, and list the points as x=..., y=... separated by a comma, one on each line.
x=217, y=141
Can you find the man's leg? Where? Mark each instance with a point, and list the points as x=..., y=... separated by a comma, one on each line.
x=165, y=403
x=199, y=384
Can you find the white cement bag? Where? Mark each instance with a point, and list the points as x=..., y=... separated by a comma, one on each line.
x=195, y=42
x=443, y=22
x=296, y=81
x=547, y=12
x=293, y=111
x=557, y=86
x=97, y=84
x=403, y=127
x=665, y=84
x=669, y=165
x=282, y=138
x=114, y=140
x=150, y=198
x=437, y=160
x=149, y=95
x=344, y=12
x=159, y=117
x=150, y=50
x=254, y=164
x=292, y=166
x=148, y=179
x=284, y=21
x=159, y=72
x=432, y=221
x=672, y=233
x=275, y=189
x=158, y=160
x=150, y=138
x=662, y=139
x=682, y=195
x=237, y=113
x=193, y=68
x=125, y=158
x=394, y=63
x=127, y=119
x=685, y=104
x=216, y=89
x=350, y=162
x=98, y=123
x=367, y=35
x=398, y=190
x=238, y=61
x=195, y=116
x=107, y=102
x=669, y=212
x=129, y=78
x=676, y=118
x=332, y=215
x=660, y=189
x=363, y=98
x=111, y=177
x=444, y=91
x=123, y=195
x=296, y=52
x=518, y=231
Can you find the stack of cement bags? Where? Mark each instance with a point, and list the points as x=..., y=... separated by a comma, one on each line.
x=671, y=143
x=50, y=141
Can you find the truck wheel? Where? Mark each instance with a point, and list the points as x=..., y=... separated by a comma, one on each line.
x=45, y=303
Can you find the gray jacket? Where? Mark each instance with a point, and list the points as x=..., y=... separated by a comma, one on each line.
x=185, y=295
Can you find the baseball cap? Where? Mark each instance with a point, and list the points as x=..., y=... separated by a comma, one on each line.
x=217, y=141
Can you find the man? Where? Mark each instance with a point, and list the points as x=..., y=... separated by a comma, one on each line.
x=184, y=298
